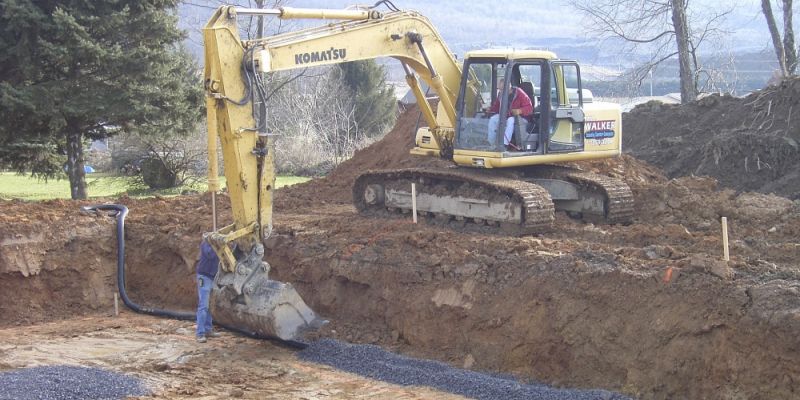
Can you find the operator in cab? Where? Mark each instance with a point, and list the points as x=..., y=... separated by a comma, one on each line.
x=520, y=104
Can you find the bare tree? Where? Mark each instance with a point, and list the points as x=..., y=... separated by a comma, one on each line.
x=784, y=48
x=162, y=161
x=663, y=27
x=724, y=77
x=681, y=33
x=315, y=124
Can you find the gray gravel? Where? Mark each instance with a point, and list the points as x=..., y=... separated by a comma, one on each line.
x=67, y=382
x=376, y=363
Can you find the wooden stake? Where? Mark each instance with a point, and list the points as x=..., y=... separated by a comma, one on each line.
x=725, y=254
x=116, y=304
x=414, y=201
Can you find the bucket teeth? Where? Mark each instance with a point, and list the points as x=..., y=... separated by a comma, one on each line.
x=265, y=307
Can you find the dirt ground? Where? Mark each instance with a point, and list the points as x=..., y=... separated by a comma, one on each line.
x=748, y=144
x=164, y=354
x=648, y=309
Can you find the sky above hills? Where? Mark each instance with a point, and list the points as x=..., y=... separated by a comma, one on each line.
x=540, y=24
x=463, y=22
x=467, y=24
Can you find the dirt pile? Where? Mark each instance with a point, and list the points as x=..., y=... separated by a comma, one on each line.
x=634, y=172
x=647, y=309
x=642, y=309
x=392, y=151
x=749, y=144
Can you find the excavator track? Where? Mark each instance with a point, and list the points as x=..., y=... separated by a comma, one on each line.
x=619, y=198
x=616, y=198
x=474, y=197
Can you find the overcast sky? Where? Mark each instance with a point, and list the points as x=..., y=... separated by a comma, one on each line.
x=547, y=24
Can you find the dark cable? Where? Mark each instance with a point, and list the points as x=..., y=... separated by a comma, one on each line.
x=388, y=5
x=302, y=73
x=247, y=84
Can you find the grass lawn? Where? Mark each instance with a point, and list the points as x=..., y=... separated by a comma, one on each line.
x=14, y=186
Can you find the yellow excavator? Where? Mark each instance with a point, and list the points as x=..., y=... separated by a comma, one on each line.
x=507, y=172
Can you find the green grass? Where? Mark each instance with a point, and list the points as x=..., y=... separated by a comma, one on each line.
x=14, y=186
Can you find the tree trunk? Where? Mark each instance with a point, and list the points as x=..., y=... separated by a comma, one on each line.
x=75, y=164
x=679, y=22
x=766, y=8
x=788, y=38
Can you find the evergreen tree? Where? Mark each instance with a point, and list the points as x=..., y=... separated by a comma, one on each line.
x=72, y=70
x=375, y=103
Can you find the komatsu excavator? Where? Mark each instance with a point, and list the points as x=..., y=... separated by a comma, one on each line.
x=509, y=182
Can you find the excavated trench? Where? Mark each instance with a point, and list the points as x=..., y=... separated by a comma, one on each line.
x=646, y=309
x=575, y=317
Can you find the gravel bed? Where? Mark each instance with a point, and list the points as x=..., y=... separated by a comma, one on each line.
x=67, y=382
x=376, y=363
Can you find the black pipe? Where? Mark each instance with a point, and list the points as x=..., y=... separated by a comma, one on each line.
x=120, y=213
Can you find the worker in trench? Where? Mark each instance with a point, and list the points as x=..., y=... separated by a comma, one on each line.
x=207, y=269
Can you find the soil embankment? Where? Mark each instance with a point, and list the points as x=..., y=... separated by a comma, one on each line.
x=749, y=144
x=647, y=309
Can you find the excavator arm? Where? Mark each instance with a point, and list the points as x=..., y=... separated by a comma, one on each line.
x=243, y=294
x=229, y=81
x=404, y=35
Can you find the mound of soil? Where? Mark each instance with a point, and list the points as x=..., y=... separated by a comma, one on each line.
x=634, y=172
x=749, y=144
x=392, y=151
x=648, y=309
x=645, y=309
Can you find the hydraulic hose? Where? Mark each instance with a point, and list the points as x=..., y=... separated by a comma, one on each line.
x=120, y=212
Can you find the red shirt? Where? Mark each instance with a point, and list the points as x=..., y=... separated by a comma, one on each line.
x=521, y=101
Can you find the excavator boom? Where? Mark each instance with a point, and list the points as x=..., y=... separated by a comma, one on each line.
x=243, y=294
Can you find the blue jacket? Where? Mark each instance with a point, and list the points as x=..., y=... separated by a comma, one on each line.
x=209, y=262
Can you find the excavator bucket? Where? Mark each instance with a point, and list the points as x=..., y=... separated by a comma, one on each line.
x=248, y=300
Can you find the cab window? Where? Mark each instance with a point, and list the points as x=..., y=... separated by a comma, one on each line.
x=480, y=90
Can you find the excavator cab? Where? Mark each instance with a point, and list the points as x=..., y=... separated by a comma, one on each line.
x=556, y=124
